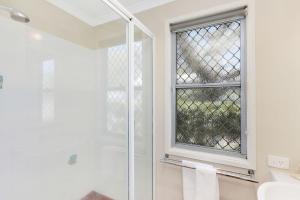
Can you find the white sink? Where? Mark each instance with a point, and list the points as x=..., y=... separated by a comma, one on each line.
x=279, y=191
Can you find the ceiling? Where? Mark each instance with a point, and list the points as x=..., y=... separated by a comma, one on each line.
x=95, y=12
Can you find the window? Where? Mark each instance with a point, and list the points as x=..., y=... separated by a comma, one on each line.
x=208, y=84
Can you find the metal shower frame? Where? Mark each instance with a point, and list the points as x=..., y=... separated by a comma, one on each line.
x=132, y=22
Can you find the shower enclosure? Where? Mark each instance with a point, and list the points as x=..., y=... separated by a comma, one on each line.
x=75, y=101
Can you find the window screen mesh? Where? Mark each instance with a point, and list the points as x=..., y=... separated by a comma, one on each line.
x=208, y=86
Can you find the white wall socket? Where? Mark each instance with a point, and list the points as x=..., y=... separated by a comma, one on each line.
x=278, y=162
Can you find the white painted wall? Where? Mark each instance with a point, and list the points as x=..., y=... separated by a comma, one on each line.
x=277, y=45
x=42, y=126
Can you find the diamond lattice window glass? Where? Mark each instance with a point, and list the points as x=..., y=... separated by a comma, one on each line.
x=208, y=83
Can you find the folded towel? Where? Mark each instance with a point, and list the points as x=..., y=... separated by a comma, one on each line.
x=95, y=196
x=200, y=184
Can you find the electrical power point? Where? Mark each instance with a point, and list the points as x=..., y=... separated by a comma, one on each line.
x=278, y=162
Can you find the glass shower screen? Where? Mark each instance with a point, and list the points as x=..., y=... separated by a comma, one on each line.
x=64, y=102
x=143, y=154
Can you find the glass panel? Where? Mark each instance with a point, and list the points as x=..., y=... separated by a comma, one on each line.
x=143, y=115
x=210, y=54
x=209, y=117
x=64, y=102
x=112, y=111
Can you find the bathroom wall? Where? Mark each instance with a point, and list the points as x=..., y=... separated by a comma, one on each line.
x=277, y=68
x=63, y=115
x=56, y=112
x=46, y=115
x=278, y=64
x=46, y=17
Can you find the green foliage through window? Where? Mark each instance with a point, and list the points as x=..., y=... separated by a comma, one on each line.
x=208, y=86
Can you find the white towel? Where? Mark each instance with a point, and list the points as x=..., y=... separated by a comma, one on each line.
x=200, y=184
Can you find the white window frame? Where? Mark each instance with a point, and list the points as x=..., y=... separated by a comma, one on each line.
x=250, y=161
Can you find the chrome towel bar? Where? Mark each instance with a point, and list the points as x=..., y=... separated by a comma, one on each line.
x=237, y=175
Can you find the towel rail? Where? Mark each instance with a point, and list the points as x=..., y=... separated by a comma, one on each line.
x=237, y=175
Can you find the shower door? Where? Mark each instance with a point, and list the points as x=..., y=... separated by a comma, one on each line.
x=143, y=114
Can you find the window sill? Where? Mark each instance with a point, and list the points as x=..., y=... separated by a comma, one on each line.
x=211, y=158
